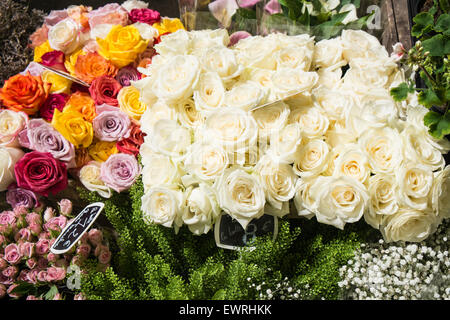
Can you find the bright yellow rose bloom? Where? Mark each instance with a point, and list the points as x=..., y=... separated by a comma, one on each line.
x=168, y=25
x=59, y=84
x=122, y=45
x=70, y=60
x=129, y=103
x=73, y=127
x=101, y=150
x=39, y=51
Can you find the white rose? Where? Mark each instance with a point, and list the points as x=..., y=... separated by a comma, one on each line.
x=311, y=159
x=144, y=85
x=271, y=119
x=65, y=36
x=146, y=31
x=223, y=61
x=338, y=134
x=159, y=170
x=8, y=158
x=203, y=209
x=417, y=147
x=339, y=200
x=329, y=78
x=245, y=96
x=100, y=31
x=203, y=40
x=415, y=182
x=383, y=199
x=366, y=74
x=335, y=103
x=334, y=154
x=188, y=114
x=312, y=121
x=328, y=53
x=278, y=181
x=163, y=205
x=294, y=57
x=90, y=177
x=11, y=123
x=134, y=4
x=409, y=224
x=240, y=195
x=210, y=92
x=174, y=44
x=352, y=162
x=360, y=44
x=158, y=111
x=285, y=143
x=287, y=82
x=169, y=138
x=257, y=52
x=232, y=128
x=206, y=161
x=304, y=201
x=175, y=80
x=383, y=147
x=440, y=194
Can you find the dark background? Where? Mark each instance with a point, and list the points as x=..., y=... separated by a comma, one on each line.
x=165, y=7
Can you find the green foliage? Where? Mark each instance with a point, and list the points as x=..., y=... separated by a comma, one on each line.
x=155, y=263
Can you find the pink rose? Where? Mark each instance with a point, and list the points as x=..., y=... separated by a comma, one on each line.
x=10, y=291
x=79, y=296
x=42, y=263
x=26, y=249
x=3, y=264
x=65, y=206
x=3, y=291
x=7, y=218
x=33, y=275
x=100, y=248
x=42, y=276
x=62, y=263
x=23, y=276
x=12, y=253
x=42, y=246
x=39, y=36
x=33, y=217
x=84, y=250
x=84, y=238
x=238, y=35
x=56, y=223
x=45, y=235
x=48, y=214
x=95, y=236
x=6, y=280
x=145, y=16
x=111, y=13
x=273, y=7
x=23, y=234
x=20, y=210
x=104, y=257
x=31, y=297
x=54, y=59
x=111, y=124
x=55, y=16
x=51, y=257
x=35, y=228
x=31, y=263
x=10, y=272
x=55, y=274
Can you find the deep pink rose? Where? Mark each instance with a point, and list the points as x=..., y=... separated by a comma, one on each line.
x=26, y=249
x=54, y=101
x=104, y=90
x=10, y=272
x=33, y=217
x=65, y=206
x=54, y=59
x=41, y=173
x=12, y=253
x=111, y=13
x=104, y=257
x=42, y=246
x=273, y=7
x=145, y=16
x=95, y=236
x=23, y=234
x=31, y=263
x=128, y=74
x=84, y=250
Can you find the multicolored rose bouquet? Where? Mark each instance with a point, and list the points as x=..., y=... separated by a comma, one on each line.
x=27, y=267
x=52, y=126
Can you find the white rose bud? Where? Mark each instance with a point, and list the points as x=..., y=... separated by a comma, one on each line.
x=90, y=177
x=415, y=182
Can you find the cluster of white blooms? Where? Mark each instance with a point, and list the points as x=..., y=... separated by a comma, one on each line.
x=334, y=141
x=400, y=271
x=283, y=290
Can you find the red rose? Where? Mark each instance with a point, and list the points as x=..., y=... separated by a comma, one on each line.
x=54, y=59
x=54, y=101
x=145, y=15
x=131, y=145
x=105, y=89
x=41, y=173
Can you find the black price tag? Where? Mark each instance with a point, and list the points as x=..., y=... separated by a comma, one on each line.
x=229, y=233
x=74, y=231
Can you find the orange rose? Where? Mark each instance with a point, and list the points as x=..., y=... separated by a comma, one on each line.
x=24, y=93
x=83, y=103
x=92, y=65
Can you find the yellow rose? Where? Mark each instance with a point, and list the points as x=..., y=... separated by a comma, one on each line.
x=59, y=84
x=129, y=103
x=70, y=60
x=101, y=150
x=122, y=45
x=168, y=25
x=39, y=51
x=73, y=127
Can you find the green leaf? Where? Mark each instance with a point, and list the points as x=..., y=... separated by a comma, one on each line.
x=439, y=45
x=431, y=118
x=400, y=93
x=246, y=13
x=294, y=8
x=24, y=288
x=442, y=128
x=360, y=23
x=219, y=295
x=428, y=98
x=423, y=24
x=443, y=24
x=445, y=5
x=51, y=293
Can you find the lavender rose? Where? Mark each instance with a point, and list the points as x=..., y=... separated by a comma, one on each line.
x=111, y=124
x=120, y=171
x=126, y=75
x=21, y=197
x=41, y=136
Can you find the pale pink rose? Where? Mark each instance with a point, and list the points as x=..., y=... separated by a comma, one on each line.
x=42, y=263
x=42, y=276
x=42, y=246
x=31, y=263
x=57, y=296
x=48, y=214
x=26, y=249
x=99, y=248
x=12, y=253
x=84, y=250
x=10, y=272
x=23, y=276
x=56, y=223
x=33, y=276
x=34, y=68
x=35, y=229
x=111, y=13
x=84, y=238
x=39, y=36
x=55, y=274
x=33, y=217
x=31, y=297
x=51, y=257
x=91, y=46
x=79, y=296
x=3, y=291
x=95, y=236
x=273, y=7
x=55, y=16
x=23, y=234
x=65, y=206
x=10, y=293
x=104, y=257
x=20, y=210
x=7, y=218
x=3, y=264
x=44, y=235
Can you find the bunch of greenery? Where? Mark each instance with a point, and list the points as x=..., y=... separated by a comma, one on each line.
x=430, y=56
x=320, y=22
x=152, y=262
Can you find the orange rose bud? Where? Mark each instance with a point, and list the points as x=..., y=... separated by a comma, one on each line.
x=92, y=65
x=83, y=103
x=25, y=93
